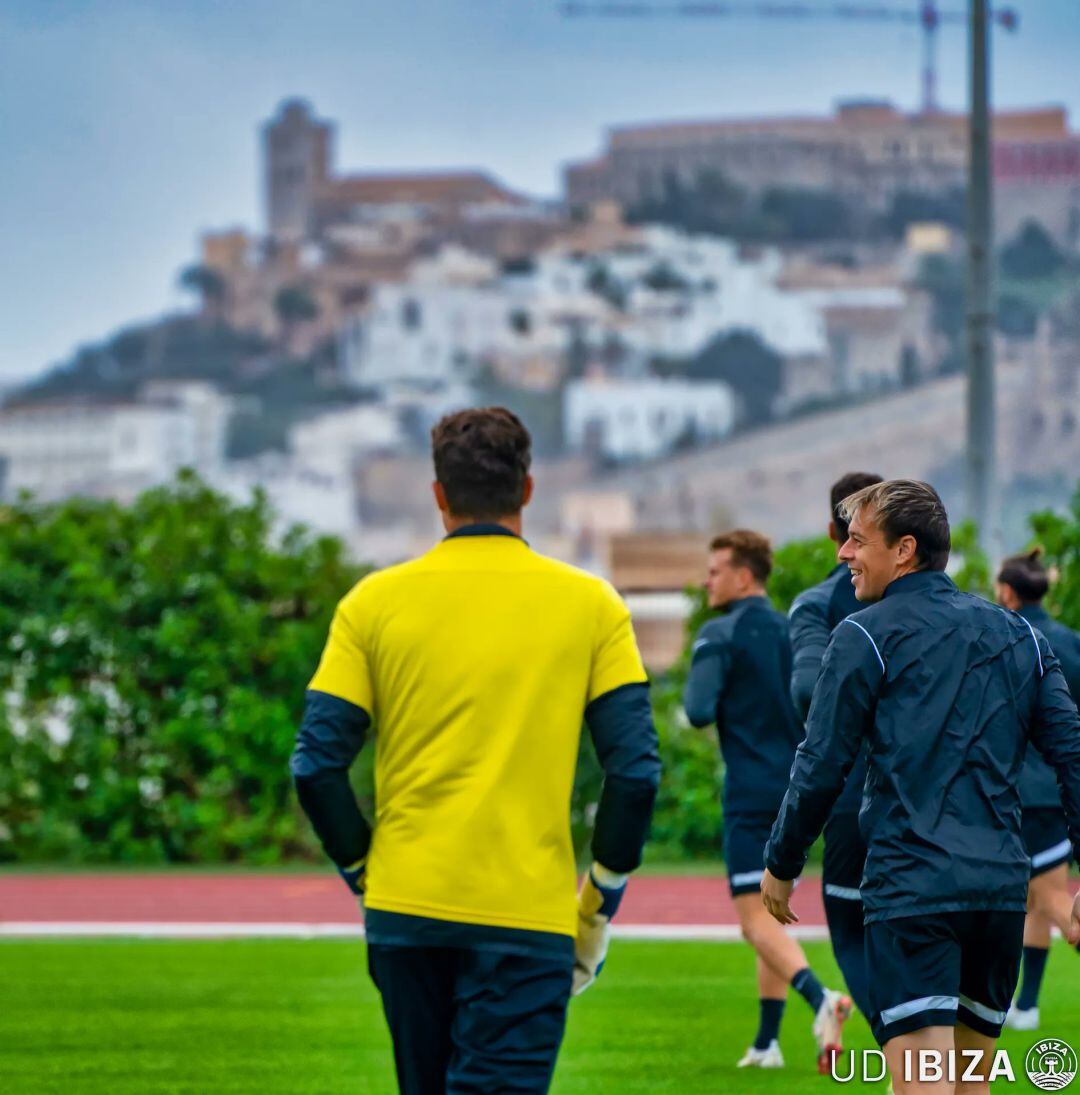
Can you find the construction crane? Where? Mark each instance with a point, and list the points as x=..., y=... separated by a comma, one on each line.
x=925, y=13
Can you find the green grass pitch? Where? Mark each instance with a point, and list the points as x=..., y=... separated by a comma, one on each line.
x=267, y=1017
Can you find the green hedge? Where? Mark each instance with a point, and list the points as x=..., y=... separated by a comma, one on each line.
x=153, y=661
x=153, y=670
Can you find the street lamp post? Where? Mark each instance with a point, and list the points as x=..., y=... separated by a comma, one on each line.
x=982, y=501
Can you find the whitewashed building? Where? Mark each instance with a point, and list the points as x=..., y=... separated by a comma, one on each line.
x=683, y=291
x=665, y=296
x=331, y=443
x=429, y=333
x=458, y=312
x=624, y=420
x=424, y=335
x=112, y=450
x=878, y=325
x=317, y=497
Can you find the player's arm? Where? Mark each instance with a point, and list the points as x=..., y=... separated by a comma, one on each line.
x=619, y=718
x=621, y=726
x=335, y=723
x=1055, y=732
x=710, y=660
x=1070, y=666
x=839, y=719
x=809, y=629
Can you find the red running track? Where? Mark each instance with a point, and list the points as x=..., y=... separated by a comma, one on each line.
x=317, y=899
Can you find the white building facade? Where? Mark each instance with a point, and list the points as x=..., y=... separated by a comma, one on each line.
x=331, y=443
x=683, y=291
x=112, y=450
x=666, y=296
x=628, y=420
x=299, y=495
x=424, y=335
x=457, y=313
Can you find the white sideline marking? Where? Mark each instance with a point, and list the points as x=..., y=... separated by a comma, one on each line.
x=716, y=933
x=43, y=929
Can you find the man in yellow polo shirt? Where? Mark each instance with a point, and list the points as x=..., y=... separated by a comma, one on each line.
x=475, y=666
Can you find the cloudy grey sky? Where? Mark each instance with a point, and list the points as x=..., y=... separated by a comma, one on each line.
x=130, y=126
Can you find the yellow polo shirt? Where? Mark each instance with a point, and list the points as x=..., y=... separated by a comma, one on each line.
x=476, y=662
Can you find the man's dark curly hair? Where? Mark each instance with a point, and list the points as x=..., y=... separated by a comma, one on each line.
x=482, y=457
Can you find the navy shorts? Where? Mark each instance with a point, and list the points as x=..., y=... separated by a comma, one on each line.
x=745, y=837
x=1046, y=838
x=845, y=857
x=472, y=1020
x=942, y=969
x=841, y=877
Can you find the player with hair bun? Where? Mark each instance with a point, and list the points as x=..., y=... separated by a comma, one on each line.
x=1022, y=583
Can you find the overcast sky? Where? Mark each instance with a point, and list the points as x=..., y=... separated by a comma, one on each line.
x=128, y=127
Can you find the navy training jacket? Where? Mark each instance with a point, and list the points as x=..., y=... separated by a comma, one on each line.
x=812, y=617
x=948, y=689
x=739, y=678
x=1038, y=784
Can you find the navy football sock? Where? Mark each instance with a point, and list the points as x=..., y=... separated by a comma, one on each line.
x=772, y=1011
x=806, y=984
x=1034, y=967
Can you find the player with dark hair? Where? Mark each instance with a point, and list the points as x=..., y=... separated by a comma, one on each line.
x=476, y=665
x=813, y=616
x=1022, y=583
x=948, y=690
x=739, y=678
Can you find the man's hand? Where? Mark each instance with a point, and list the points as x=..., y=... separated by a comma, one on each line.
x=776, y=896
x=598, y=902
x=355, y=876
x=1074, y=923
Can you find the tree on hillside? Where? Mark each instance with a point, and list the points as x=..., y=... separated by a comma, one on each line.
x=754, y=372
x=518, y=266
x=945, y=280
x=603, y=284
x=802, y=214
x=662, y=278
x=576, y=360
x=914, y=206
x=708, y=203
x=1016, y=316
x=208, y=284
x=1031, y=253
x=294, y=306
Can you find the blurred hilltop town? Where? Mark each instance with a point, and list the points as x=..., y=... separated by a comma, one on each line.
x=715, y=319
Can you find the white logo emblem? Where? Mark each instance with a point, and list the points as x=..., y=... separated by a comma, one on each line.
x=1051, y=1064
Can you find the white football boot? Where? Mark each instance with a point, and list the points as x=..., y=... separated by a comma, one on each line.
x=763, y=1058
x=1022, y=1018
x=834, y=1012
